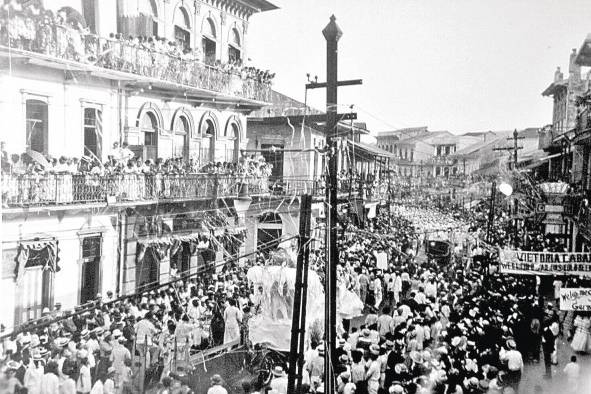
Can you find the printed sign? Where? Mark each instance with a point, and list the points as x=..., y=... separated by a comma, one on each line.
x=575, y=299
x=544, y=263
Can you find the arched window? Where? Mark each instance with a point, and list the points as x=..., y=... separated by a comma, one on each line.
x=182, y=28
x=36, y=125
x=232, y=150
x=209, y=38
x=149, y=128
x=208, y=129
x=208, y=140
x=181, y=135
x=234, y=46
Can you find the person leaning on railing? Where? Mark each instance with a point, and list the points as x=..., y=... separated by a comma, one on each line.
x=66, y=180
x=40, y=30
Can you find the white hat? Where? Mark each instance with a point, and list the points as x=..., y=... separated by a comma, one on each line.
x=278, y=371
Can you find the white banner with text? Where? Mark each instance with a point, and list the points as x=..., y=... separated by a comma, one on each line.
x=575, y=299
x=544, y=263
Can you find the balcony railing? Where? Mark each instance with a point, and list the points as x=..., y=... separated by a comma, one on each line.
x=67, y=189
x=64, y=42
x=63, y=189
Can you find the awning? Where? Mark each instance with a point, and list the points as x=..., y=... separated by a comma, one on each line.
x=370, y=150
x=37, y=253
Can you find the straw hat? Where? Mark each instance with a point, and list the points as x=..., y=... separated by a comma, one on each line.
x=511, y=343
x=278, y=371
x=374, y=349
x=416, y=357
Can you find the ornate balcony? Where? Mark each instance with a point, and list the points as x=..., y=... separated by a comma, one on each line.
x=67, y=189
x=42, y=190
x=48, y=40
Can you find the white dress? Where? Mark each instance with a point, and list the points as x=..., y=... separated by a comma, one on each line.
x=349, y=305
x=582, y=339
x=232, y=319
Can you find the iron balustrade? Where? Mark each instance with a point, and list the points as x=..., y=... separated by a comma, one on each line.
x=60, y=189
x=63, y=42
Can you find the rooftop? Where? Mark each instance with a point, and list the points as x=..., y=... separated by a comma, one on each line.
x=584, y=54
x=260, y=5
x=554, y=87
x=402, y=132
x=281, y=105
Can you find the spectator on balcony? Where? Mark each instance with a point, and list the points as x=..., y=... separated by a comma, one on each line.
x=5, y=160
x=115, y=152
x=126, y=153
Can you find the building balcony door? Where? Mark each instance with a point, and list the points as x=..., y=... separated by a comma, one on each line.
x=269, y=229
x=149, y=127
x=90, y=280
x=275, y=158
x=180, y=259
x=90, y=269
x=36, y=293
x=147, y=271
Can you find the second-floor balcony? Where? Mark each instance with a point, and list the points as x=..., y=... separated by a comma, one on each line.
x=32, y=190
x=64, y=190
x=21, y=35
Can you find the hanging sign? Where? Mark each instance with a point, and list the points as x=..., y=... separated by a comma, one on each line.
x=575, y=299
x=544, y=263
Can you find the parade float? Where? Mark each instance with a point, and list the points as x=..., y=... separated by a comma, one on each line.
x=274, y=288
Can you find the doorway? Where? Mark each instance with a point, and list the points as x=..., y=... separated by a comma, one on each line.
x=147, y=270
x=269, y=229
x=275, y=158
x=91, y=264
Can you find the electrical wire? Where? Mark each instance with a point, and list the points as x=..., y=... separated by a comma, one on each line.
x=148, y=287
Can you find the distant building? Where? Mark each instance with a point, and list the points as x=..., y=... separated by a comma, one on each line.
x=420, y=152
x=554, y=139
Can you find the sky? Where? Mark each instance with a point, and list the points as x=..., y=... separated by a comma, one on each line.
x=457, y=65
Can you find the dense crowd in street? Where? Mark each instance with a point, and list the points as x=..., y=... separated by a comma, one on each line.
x=426, y=329
x=454, y=330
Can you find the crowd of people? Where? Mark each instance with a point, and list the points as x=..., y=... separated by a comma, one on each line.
x=123, y=345
x=65, y=34
x=34, y=179
x=425, y=328
x=456, y=330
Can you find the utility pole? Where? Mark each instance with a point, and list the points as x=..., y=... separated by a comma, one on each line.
x=491, y=210
x=332, y=33
x=298, y=322
x=514, y=148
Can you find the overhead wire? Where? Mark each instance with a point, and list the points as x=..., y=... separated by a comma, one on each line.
x=153, y=285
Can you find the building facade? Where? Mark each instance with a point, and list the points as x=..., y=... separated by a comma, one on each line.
x=177, y=91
